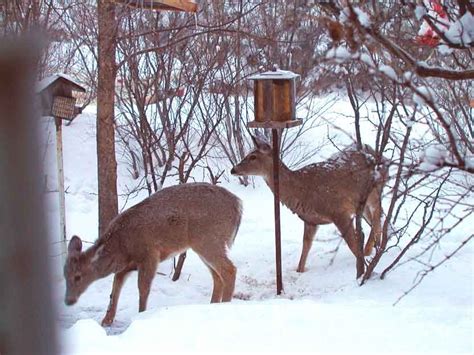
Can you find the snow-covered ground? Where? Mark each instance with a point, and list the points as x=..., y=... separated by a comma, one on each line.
x=323, y=310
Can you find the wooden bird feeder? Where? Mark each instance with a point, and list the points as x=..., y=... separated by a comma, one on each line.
x=56, y=94
x=167, y=5
x=57, y=100
x=274, y=95
x=275, y=107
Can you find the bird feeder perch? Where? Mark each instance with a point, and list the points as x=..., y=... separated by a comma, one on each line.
x=168, y=5
x=275, y=108
x=57, y=100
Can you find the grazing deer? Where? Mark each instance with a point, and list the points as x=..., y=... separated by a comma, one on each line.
x=199, y=216
x=328, y=192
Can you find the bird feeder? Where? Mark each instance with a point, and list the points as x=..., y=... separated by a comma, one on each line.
x=168, y=5
x=274, y=99
x=57, y=100
x=275, y=108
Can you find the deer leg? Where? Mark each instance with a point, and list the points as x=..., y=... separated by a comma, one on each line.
x=216, y=258
x=350, y=235
x=119, y=280
x=308, y=236
x=218, y=285
x=373, y=210
x=146, y=273
x=228, y=273
x=218, y=288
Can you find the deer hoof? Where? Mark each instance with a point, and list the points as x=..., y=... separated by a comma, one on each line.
x=107, y=321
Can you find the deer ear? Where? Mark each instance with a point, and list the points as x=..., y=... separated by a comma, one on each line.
x=75, y=246
x=260, y=143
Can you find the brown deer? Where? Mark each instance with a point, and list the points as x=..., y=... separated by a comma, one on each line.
x=332, y=191
x=199, y=216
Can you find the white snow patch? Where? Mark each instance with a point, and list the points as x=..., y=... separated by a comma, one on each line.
x=462, y=31
x=364, y=57
x=443, y=49
x=433, y=157
x=388, y=71
x=420, y=11
x=423, y=93
x=340, y=54
x=263, y=327
x=407, y=76
x=363, y=17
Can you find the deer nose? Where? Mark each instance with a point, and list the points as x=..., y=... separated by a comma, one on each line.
x=70, y=301
x=233, y=172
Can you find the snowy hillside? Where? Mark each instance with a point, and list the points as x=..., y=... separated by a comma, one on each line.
x=322, y=310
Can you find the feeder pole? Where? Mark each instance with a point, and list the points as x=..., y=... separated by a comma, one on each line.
x=276, y=199
x=274, y=103
x=62, y=197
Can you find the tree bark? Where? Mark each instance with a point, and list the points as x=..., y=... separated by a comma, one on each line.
x=106, y=162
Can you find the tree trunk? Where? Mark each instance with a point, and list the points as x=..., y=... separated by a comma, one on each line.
x=106, y=163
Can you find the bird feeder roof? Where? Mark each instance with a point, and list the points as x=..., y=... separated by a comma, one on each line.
x=274, y=75
x=50, y=80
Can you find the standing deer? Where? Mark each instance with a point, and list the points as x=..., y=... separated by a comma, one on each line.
x=328, y=192
x=199, y=216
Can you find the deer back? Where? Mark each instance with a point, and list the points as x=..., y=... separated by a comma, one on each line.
x=319, y=192
x=178, y=217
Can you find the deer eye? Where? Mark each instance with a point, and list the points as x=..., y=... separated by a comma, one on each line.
x=77, y=278
x=252, y=157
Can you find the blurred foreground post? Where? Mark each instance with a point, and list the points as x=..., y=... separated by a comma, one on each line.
x=26, y=312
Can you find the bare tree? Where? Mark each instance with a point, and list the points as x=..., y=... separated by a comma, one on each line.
x=421, y=78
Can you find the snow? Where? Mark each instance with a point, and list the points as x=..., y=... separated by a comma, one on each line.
x=388, y=71
x=340, y=54
x=422, y=93
x=407, y=76
x=444, y=49
x=433, y=157
x=420, y=11
x=279, y=325
x=47, y=81
x=436, y=154
x=462, y=31
x=363, y=17
x=322, y=310
x=274, y=74
x=364, y=57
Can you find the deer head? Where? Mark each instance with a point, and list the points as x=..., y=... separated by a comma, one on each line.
x=258, y=162
x=78, y=271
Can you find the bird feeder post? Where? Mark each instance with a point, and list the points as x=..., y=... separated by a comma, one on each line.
x=276, y=203
x=274, y=107
x=57, y=100
x=62, y=193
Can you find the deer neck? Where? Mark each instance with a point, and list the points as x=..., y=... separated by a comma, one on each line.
x=104, y=259
x=290, y=196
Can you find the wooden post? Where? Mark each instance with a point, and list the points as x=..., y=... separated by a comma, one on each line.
x=27, y=324
x=62, y=197
x=276, y=200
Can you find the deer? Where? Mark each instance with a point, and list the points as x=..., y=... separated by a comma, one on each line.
x=332, y=191
x=197, y=216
